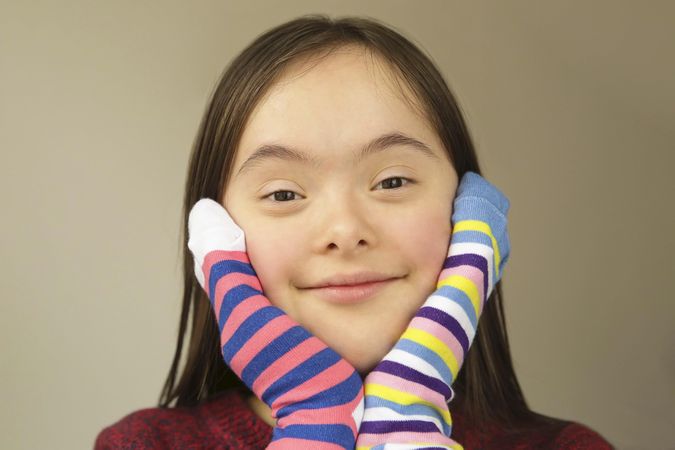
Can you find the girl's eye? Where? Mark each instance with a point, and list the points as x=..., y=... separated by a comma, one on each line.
x=281, y=196
x=390, y=183
x=394, y=182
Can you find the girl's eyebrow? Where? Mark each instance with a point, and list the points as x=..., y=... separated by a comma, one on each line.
x=381, y=143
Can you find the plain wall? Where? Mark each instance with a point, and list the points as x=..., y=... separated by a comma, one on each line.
x=571, y=106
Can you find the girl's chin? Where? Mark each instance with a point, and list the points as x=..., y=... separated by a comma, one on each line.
x=362, y=336
x=363, y=368
x=363, y=362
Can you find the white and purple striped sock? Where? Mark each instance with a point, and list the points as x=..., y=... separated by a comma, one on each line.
x=407, y=394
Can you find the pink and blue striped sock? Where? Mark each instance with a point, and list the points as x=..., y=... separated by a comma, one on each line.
x=407, y=394
x=315, y=395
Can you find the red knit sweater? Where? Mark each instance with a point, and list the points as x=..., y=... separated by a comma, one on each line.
x=226, y=422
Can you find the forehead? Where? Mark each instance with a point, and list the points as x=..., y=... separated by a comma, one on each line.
x=332, y=106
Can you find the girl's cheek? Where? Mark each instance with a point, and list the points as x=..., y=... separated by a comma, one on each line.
x=426, y=238
x=271, y=255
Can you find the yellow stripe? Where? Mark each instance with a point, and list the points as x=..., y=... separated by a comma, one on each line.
x=467, y=286
x=403, y=398
x=478, y=225
x=457, y=446
x=434, y=344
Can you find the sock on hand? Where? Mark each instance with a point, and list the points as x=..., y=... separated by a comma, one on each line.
x=407, y=394
x=315, y=395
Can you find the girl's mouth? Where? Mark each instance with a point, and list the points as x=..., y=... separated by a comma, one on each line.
x=350, y=294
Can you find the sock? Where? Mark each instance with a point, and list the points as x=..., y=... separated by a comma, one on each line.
x=407, y=394
x=315, y=395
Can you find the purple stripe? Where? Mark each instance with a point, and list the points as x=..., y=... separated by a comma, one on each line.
x=470, y=259
x=392, y=426
x=447, y=321
x=413, y=375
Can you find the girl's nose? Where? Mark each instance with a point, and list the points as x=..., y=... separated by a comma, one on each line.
x=345, y=228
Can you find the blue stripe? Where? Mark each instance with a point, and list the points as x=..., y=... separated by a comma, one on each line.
x=248, y=328
x=448, y=322
x=334, y=433
x=224, y=267
x=471, y=237
x=476, y=208
x=232, y=299
x=275, y=350
x=415, y=376
x=427, y=355
x=470, y=259
x=415, y=409
x=459, y=296
x=306, y=370
x=472, y=184
x=476, y=237
x=340, y=394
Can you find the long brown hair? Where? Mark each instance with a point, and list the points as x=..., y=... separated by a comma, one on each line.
x=486, y=389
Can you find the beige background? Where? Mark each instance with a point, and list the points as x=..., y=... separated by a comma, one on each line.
x=571, y=105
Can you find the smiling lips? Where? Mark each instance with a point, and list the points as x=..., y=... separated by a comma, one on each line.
x=353, y=290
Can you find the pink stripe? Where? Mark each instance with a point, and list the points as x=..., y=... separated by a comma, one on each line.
x=325, y=379
x=472, y=273
x=261, y=339
x=403, y=438
x=283, y=365
x=296, y=443
x=339, y=414
x=239, y=313
x=410, y=387
x=442, y=333
x=217, y=256
x=229, y=281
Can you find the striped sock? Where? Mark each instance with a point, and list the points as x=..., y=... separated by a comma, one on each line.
x=407, y=394
x=315, y=395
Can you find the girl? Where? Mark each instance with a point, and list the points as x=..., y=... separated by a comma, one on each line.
x=331, y=307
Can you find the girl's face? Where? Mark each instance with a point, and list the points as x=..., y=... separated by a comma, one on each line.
x=341, y=211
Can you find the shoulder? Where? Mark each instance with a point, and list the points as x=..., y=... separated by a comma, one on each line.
x=578, y=436
x=223, y=421
x=540, y=431
x=145, y=428
x=562, y=434
x=133, y=430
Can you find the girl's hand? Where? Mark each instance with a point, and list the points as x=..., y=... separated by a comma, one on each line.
x=407, y=394
x=315, y=395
